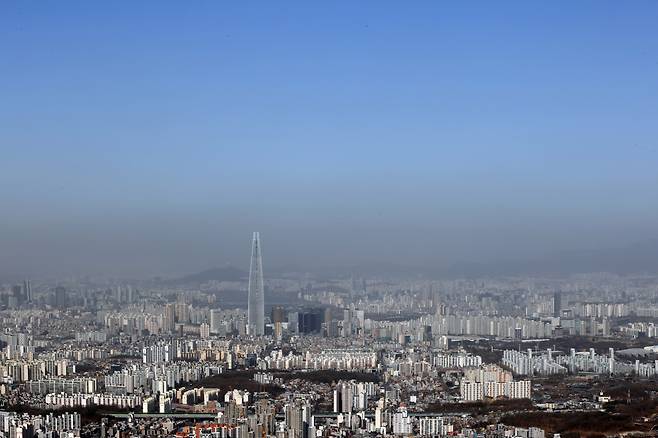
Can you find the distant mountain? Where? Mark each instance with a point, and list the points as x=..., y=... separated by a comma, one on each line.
x=638, y=258
x=369, y=269
x=228, y=273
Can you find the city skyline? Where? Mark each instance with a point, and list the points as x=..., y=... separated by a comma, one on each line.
x=457, y=201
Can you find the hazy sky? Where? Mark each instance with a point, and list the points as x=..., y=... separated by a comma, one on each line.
x=153, y=137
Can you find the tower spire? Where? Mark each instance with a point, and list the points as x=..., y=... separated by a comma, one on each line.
x=256, y=298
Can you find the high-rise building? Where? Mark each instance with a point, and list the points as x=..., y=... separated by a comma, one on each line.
x=557, y=303
x=327, y=322
x=182, y=313
x=256, y=298
x=298, y=418
x=215, y=320
x=310, y=321
x=169, y=317
x=61, y=298
x=278, y=314
x=204, y=331
x=27, y=290
x=344, y=397
x=17, y=295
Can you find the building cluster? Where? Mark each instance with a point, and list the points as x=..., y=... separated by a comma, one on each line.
x=500, y=327
x=456, y=360
x=22, y=370
x=492, y=381
x=331, y=359
x=15, y=425
x=161, y=402
x=529, y=363
x=75, y=385
x=87, y=400
x=351, y=396
x=153, y=378
x=170, y=350
x=549, y=363
x=640, y=329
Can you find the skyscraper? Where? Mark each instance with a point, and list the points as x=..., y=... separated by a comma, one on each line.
x=27, y=290
x=169, y=318
x=557, y=303
x=61, y=298
x=256, y=299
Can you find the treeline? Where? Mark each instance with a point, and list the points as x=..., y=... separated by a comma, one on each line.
x=586, y=424
x=230, y=380
x=329, y=376
x=483, y=407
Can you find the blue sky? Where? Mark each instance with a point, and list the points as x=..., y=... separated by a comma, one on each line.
x=154, y=136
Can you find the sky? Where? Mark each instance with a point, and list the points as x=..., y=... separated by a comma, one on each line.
x=152, y=138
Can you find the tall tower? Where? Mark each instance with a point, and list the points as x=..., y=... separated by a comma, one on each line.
x=27, y=290
x=256, y=299
x=557, y=303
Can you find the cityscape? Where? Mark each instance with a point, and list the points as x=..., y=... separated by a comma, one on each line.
x=312, y=356
x=328, y=219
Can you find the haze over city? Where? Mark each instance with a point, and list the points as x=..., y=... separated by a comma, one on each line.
x=147, y=138
x=328, y=219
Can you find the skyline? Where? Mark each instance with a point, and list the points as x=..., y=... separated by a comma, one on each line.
x=458, y=201
x=139, y=140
